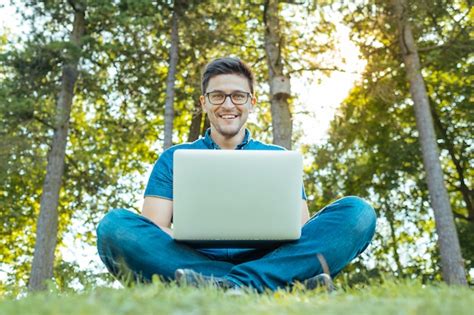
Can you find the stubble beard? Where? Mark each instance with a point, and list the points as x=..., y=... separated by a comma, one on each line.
x=227, y=132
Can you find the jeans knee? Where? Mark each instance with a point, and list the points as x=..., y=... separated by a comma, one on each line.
x=110, y=220
x=112, y=227
x=362, y=214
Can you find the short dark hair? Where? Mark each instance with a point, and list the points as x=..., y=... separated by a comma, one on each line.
x=226, y=65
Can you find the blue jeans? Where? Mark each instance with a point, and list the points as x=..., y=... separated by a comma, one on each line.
x=339, y=232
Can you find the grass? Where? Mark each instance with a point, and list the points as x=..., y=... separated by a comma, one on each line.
x=158, y=298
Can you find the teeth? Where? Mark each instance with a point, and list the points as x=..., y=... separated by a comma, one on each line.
x=228, y=116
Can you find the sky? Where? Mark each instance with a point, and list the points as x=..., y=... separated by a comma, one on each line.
x=323, y=98
x=320, y=97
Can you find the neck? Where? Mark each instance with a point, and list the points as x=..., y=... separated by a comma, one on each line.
x=226, y=143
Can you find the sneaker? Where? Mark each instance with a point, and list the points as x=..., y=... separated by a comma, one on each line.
x=192, y=278
x=320, y=281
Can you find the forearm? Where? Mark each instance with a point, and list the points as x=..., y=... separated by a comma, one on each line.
x=157, y=222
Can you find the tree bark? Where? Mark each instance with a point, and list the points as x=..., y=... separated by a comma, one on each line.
x=282, y=124
x=196, y=122
x=47, y=225
x=170, y=81
x=396, y=257
x=452, y=264
x=206, y=125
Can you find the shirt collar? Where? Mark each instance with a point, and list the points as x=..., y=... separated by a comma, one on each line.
x=212, y=145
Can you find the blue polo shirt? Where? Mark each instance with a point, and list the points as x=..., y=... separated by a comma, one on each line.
x=160, y=183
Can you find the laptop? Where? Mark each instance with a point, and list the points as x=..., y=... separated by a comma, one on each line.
x=236, y=198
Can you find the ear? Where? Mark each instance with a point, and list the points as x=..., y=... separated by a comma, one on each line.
x=202, y=100
x=253, y=102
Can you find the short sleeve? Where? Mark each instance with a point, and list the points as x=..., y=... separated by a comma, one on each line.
x=160, y=183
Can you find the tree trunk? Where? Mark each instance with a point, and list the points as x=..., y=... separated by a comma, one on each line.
x=206, y=125
x=452, y=265
x=279, y=83
x=196, y=122
x=396, y=257
x=169, y=108
x=47, y=226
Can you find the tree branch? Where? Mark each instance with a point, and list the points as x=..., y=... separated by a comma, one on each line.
x=463, y=217
x=257, y=61
x=293, y=2
x=44, y=122
x=311, y=69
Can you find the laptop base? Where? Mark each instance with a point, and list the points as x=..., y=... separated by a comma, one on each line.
x=234, y=243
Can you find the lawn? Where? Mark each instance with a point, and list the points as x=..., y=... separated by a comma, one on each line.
x=158, y=298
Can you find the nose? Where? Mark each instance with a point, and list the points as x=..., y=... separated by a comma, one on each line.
x=227, y=102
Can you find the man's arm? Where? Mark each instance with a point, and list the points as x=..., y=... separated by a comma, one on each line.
x=304, y=212
x=159, y=211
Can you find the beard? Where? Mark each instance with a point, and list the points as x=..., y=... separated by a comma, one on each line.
x=228, y=132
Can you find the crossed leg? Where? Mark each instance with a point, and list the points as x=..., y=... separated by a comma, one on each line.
x=130, y=243
x=339, y=232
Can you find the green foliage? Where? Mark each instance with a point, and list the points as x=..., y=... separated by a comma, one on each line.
x=117, y=118
x=373, y=148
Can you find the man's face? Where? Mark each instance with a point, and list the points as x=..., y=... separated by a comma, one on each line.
x=227, y=119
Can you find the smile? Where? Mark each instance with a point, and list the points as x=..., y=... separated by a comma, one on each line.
x=228, y=116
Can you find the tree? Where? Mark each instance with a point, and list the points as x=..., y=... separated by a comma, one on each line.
x=450, y=251
x=170, y=81
x=46, y=231
x=279, y=83
x=105, y=145
x=373, y=147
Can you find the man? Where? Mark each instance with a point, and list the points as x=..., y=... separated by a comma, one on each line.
x=144, y=245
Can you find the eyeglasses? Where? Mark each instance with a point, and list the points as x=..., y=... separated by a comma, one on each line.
x=237, y=98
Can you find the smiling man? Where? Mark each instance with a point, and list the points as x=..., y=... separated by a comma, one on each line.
x=227, y=104
x=143, y=245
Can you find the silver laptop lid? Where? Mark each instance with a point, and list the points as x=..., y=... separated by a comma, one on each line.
x=222, y=195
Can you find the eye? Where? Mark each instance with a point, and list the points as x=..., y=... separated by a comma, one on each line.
x=216, y=96
x=239, y=96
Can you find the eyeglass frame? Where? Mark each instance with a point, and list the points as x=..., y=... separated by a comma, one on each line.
x=249, y=95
